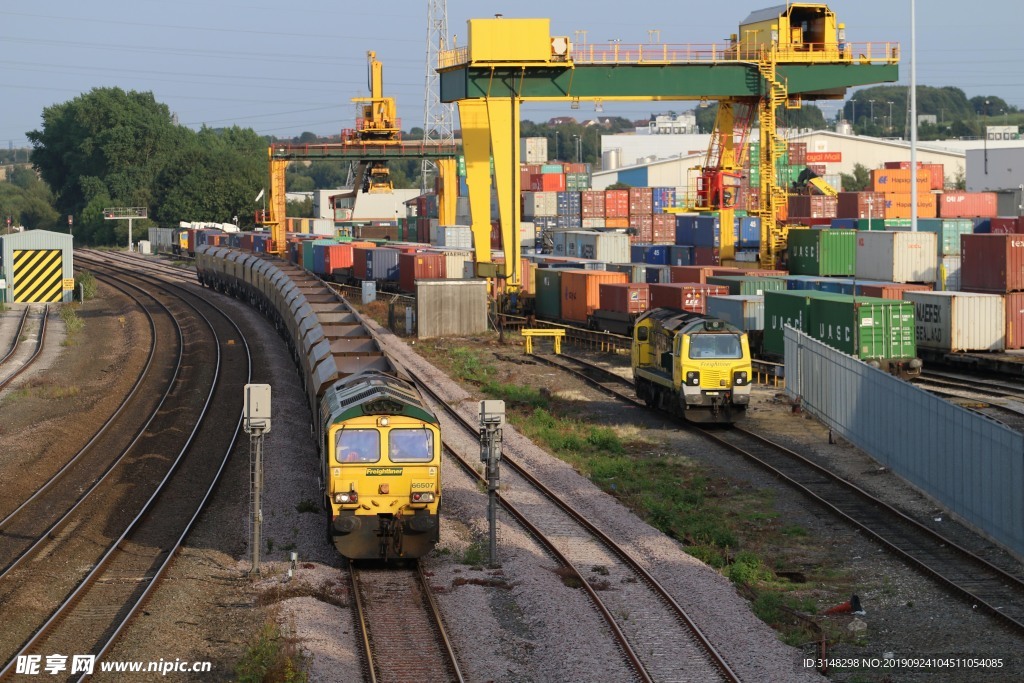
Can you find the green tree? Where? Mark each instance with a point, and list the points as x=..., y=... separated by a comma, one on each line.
x=860, y=180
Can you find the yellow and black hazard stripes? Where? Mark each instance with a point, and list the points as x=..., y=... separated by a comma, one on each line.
x=37, y=275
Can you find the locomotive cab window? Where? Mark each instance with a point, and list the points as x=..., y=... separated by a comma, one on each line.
x=357, y=445
x=715, y=346
x=411, y=445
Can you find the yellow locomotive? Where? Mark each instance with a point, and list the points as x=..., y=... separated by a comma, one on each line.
x=691, y=365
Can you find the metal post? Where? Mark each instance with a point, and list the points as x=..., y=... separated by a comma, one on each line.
x=130, y=248
x=256, y=519
x=492, y=417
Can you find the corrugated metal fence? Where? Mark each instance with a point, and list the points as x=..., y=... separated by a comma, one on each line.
x=972, y=465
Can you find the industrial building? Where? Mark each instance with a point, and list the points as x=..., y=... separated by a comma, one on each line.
x=36, y=266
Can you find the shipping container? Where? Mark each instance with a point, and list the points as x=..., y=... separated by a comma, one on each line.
x=948, y=231
x=454, y=237
x=897, y=180
x=616, y=203
x=749, y=232
x=867, y=328
x=992, y=263
x=533, y=150
x=1004, y=225
x=381, y=264
x=680, y=255
x=948, y=279
x=889, y=290
x=968, y=205
x=629, y=298
x=641, y=200
x=744, y=311
x=812, y=206
x=419, y=266
x=935, y=172
x=860, y=205
x=822, y=252
x=635, y=272
x=547, y=182
x=581, y=293
x=706, y=256
x=893, y=256
x=655, y=254
x=685, y=296
x=692, y=274
x=753, y=286
x=1014, y=320
x=899, y=205
x=610, y=247
x=658, y=274
x=643, y=225
x=686, y=225
x=540, y=204
x=592, y=204
x=959, y=321
x=548, y=299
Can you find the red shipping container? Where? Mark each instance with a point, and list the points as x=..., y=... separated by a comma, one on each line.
x=935, y=172
x=991, y=263
x=592, y=203
x=967, y=205
x=643, y=222
x=706, y=256
x=632, y=297
x=495, y=235
x=726, y=271
x=422, y=266
x=690, y=273
x=359, y=255
x=892, y=290
x=337, y=257
x=797, y=152
x=687, y=296
x=1005, y=225
x=1015, y=320
x=859, y=204
x=663, y=228
x=575, y=168
x=616, y=203
x=641, y=200
x=581, y=292
x=642, y=232
x=524, y=176
x=812, y=206
x=547, y=182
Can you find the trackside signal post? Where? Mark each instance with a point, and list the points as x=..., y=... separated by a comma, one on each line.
x=256, y=422
x=492, y=418
x=122, y=213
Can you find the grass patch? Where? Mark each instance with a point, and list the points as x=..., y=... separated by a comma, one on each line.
x=474, y=555
x=72, y=323
x=272, y=657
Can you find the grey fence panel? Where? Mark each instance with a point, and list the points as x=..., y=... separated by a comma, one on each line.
x=972, y=465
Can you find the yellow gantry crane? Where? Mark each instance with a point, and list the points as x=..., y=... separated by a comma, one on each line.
x=780, y=57
x=375, y=140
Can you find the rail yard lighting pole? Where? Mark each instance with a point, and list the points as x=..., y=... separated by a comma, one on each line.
x=579, y=148
x=492, y=418
x=872, y=103
x=890, y=115
x=913, y=118
x=984, y=136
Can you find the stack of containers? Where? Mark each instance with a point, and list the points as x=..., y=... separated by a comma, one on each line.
x=948, y=231
x=577, y=177
x=641, y=208
x=896, y=184
x=568, y=210
x=616, y=208
x=994, y=264
x=592, y=210
x=550, y=179
x=861, y=206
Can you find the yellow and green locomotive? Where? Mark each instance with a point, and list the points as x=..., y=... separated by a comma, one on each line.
x=691, y=365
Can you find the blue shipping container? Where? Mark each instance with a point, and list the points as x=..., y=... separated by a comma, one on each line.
x=706, y=232
x=685, y=226
x=982, y=224
x=749, y=232
x=656, y=254
x=680, y=256
x=658, y=274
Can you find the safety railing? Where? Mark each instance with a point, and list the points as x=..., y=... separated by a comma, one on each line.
x=350, y=149
x=885, y=52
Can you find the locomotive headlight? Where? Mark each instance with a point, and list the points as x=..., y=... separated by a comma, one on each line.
x=693, y=378
x=740, y=378
x=346, y=497
x=423, y=497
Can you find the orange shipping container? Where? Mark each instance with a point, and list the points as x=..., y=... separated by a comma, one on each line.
x=616, y=203
x=337, y=257
x=422, y=266
x=898, y=205
x=581, y=293
x=935, y=171
x=897, y=180
x=616, y=222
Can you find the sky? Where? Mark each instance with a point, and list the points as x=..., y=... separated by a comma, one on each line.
x=282, y=69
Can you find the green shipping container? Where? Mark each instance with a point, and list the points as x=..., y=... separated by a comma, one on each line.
x=822, y=252
x=549, y=293
x=307, y=252
x=753, y=286
x=869, y=328
x=948, y=230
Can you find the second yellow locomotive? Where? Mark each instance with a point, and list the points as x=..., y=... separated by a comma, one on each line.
x=691, y=365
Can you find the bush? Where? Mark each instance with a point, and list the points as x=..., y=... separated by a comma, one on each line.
x=71, y=320
x=272, y=658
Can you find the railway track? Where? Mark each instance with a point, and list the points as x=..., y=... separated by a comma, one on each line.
x=11, y=366
x=646, y=620
x=983, y=583
x=92, y=614
x=995, y=399
x=400, y=627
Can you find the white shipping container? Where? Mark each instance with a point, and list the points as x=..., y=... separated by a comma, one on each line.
x=455, y=262
x=610, y=247
x=591, y=223
x=959, y=321
x=322, y=226
x=533, y=150
x=540, y=204
x=744, y=311
x=432, y=232
x=893, y=256
x=948, y=278
x=527, y=235
x=455, y=236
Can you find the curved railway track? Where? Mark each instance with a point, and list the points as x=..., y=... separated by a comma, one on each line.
x=998, y=400
x=399, y=626
x=965, y=572
x=92, y=615
x=11, y=356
